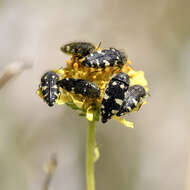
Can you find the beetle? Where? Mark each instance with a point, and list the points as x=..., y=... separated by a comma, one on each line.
x=49, y=88
x=78, y=49
x=132, y=99
x=104, y=58
x=114, y=96
x=80, y=86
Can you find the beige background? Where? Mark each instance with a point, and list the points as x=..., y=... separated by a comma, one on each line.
x=154, y=155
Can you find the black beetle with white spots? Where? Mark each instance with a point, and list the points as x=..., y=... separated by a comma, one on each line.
x=114, y=96
x=119, y=98
x=78, y=49
x=105, y=58
x=49, y=88
x=80, y=86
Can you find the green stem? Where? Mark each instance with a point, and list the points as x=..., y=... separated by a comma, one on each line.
x=90, y=155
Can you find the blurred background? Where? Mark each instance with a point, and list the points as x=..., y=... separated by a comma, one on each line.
x=153, y=155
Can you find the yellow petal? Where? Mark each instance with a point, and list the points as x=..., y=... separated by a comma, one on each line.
x=72, y=98
x=145, y=102
x=124, y=122
x=62, y=100
x=138, y=78
x=39, y=93
x=59, y=71
x=78, y=103
x=90, y=114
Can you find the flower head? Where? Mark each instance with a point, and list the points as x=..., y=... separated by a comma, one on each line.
x=91, y=106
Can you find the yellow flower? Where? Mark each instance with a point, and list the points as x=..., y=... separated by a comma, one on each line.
x=90, y=107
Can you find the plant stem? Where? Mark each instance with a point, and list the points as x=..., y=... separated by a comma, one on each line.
x=90, y=155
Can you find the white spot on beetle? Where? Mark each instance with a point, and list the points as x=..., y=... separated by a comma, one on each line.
x=122, y=113
x=122, y=86
x=106, y=62
x=134, y=101
x=97, y=62
x=54, y=86
x=100, y=52
x=114, y=111
x=67, y=48
x=106, y=97
x=55, y=93
x=45, y=95
x=44, y=88
x=114, y=83
x=119, y=101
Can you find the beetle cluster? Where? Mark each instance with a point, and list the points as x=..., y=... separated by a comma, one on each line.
x=119, y=97
x=50, y=87
x=93, y=57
